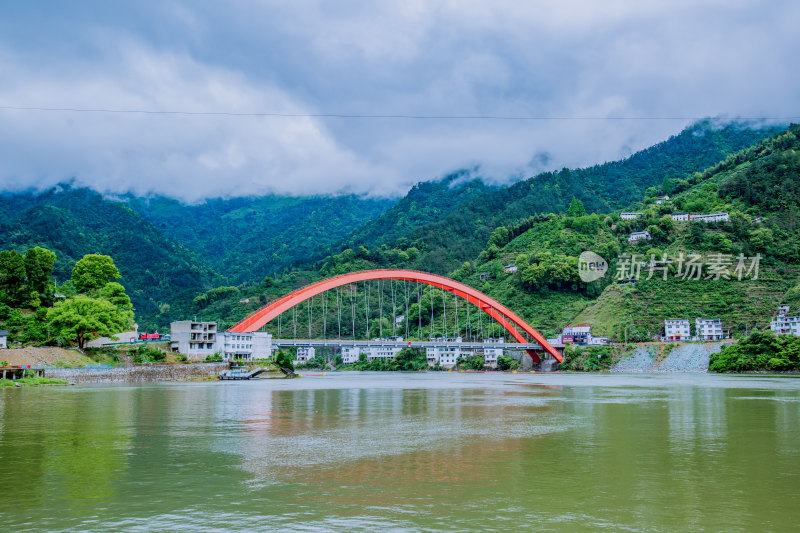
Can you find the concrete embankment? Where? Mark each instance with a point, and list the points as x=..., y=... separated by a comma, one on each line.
x=137, y=374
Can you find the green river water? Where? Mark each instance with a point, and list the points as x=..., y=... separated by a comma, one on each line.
x=397, y=451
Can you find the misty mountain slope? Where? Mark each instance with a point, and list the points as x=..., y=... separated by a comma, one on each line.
x=427, y=202
x=245, y=239
x=157, y=273
x=462, y=232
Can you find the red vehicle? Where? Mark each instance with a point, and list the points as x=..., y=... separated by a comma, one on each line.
x=149, y=336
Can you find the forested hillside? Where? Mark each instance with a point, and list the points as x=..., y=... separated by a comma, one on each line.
x=160, y=276
x=244, y=239
x=460, y=232
x=178, y=260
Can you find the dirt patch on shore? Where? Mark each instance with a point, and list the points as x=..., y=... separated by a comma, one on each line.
x=41, y=356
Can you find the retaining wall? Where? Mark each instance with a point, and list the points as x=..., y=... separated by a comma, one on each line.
x=137, y=374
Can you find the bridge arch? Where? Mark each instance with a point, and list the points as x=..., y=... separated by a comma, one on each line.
x=509, y=320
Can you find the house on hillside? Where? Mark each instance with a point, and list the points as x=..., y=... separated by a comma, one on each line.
x=713, y=217
x=630, y=216
x=708, y=329
x=662, y=199
x=3, y=339
x=785, y=325
x=510, y=269
x=676, y=330
x=680, y=217
x=638, y=235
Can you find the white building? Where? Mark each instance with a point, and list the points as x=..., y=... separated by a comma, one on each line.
x=782, y=324
x=638, y=235
x=681, y=217
x=305, y=354
x=446, y=355
x=708, y=329
x=510, y=269
x=629, y=216
x=196, y=340
x=3, y=339
x=577, y=334
x=384, y=352
x=490, y=355
x=255, y=345
x=713, y=217
x=661, y=199
x=677, y=330
x=350, y=354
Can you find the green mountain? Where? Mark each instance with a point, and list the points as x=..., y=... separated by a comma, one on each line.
x=449, y=225
x=159, y=275
x=759, y=187
x=245, y=239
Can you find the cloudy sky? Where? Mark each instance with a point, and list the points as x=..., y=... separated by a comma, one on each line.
x=604, y=78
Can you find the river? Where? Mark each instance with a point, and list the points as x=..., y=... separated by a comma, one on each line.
x=397, y=451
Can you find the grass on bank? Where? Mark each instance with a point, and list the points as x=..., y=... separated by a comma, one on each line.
x=32, y=381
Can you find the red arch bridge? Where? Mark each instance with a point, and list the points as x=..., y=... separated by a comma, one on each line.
x=346, y=287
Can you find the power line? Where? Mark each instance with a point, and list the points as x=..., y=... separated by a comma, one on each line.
x=369, y=116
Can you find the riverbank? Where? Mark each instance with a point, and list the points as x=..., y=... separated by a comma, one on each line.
x=137, y=374
x=31, y=382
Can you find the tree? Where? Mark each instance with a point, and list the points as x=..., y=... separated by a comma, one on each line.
x=93, y=272
x=12, y=278
x=284, y=361
x=115, y=293
x=39, y=267
x=576, y=208
x=82, y=318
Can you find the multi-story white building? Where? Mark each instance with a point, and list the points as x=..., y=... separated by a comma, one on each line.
x=630, y=216
x=681, y=217
x=677, y=330
x=446, y=355
x=785, y=325
x=713, y=217
x=305, y=354
x=708, y=329
x=255, y=345
x=490, y=355
x=196, y=340
x=384, y=352
x=350, y=354
x=638, y=235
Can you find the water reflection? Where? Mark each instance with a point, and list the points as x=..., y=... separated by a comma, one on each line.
x=406, y=451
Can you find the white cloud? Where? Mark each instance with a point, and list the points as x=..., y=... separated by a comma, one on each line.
x=617, y=58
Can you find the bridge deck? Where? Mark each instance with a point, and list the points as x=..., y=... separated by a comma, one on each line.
x=410, y=344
